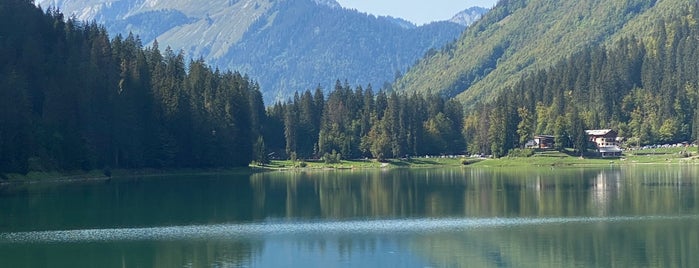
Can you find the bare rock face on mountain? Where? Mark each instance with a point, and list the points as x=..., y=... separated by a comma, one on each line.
x=286, y=45
x=469, y=16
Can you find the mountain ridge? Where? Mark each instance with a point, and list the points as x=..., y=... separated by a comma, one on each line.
x=231, y=34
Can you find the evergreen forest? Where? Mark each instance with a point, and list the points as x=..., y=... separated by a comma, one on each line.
x=71, y=98
x=645, y=88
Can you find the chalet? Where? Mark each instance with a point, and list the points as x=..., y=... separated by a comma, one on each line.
x=541, y=142
x=606, y=142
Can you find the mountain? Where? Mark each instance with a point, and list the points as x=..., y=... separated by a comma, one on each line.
x=520, y=37
x=469, y=16
x=288, y=45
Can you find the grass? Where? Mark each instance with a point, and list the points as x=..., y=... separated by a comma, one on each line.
x=363, y=164
x=539, y=159
x=555, y=158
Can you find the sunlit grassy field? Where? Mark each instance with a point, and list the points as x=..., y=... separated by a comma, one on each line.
x=542, y=158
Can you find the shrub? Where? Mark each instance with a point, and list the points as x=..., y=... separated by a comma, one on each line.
x=333, y=158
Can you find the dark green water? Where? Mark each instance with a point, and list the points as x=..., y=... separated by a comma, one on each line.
x=621, y=217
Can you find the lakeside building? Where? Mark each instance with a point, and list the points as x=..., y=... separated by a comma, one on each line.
x=606, y=141
x=541, y=142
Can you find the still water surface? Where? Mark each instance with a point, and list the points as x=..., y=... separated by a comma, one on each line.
x=644, y=216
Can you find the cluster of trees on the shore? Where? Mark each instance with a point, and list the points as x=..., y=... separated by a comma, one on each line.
x=645, y=88
x=71, y=98
x=361, y=124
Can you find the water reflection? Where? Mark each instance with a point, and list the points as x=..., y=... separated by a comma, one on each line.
x=461, y=217
x=165, y=254
x=605, y=244
x=474, y=193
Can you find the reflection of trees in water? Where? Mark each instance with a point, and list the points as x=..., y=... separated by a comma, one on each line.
x=212, y=253
x=628, y=191
x=641, y=243
x=657, y=190
x=361, y=194
x=476, y=193
x=205, y=254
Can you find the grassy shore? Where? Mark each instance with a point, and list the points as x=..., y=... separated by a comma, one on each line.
x=363, y=164
x=543, y=158
x=562, y=159
x=539, y=159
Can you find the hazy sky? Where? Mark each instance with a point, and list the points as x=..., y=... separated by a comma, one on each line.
x=417, y=11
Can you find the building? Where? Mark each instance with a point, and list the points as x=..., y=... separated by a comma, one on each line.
x=544, y=141
x=606, y=141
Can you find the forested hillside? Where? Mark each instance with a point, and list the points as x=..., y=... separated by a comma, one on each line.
x=72, y=99
x=645, y=87
x=300, y=45
x=289, y=45
x=521, y=37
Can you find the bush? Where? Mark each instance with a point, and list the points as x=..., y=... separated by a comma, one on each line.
x=333, y=158
x=303, y=164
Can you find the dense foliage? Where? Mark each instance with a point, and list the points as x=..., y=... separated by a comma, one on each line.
x=359, y=123
x=646, y=88
x=71, y=99
x=74, y=99
x=520, y=37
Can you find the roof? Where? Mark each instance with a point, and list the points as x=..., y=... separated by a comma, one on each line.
x=598, y=132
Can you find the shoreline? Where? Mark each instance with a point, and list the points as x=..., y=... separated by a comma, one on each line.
x=98, y=175
x=536, y=161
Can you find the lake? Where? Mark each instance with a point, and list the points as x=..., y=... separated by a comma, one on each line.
x=629, y=216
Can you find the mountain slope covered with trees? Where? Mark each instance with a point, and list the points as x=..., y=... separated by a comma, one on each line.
x=289, y=45
x=645, y=87
x=521, y=37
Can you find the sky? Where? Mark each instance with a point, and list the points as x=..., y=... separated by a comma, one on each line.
x=416, y=11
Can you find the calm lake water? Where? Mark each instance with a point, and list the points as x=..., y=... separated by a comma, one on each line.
x=645, y=216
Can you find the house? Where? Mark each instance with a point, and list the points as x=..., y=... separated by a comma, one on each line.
x=544, y=141
x=541, y=142
x=606, y=141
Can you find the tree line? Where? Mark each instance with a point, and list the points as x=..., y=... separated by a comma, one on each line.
x=359, y=123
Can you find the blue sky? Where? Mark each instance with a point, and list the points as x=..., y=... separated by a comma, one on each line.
x=416, y=11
